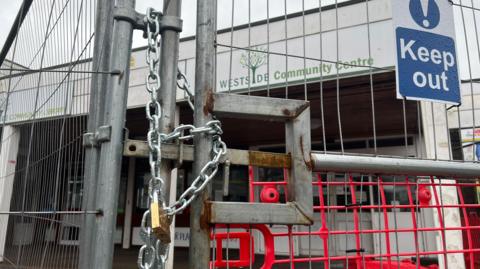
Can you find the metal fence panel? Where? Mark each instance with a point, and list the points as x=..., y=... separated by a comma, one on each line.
x=45, y=82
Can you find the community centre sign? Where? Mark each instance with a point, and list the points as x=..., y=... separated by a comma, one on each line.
x=427, y=66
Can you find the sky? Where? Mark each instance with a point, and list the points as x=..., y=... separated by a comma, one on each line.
x=258, y=12
x=7, y=16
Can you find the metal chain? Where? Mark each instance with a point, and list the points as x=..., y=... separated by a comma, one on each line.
x=209, y=170
x=148, y=254
x=219, y=149
x=183, y=84
x=153, y=251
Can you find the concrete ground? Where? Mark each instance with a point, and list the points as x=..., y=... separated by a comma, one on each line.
x=126, y=259
x=67, y=258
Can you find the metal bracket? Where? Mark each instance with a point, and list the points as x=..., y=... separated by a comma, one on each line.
x=296, y=115
x=102, y=134
x=130, y=15
x=140, y=149
x=138, y=20
x=173, y=23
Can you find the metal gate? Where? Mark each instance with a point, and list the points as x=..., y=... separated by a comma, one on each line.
x=44, y=87
x=341, y=173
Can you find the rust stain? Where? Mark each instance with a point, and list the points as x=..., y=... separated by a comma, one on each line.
x=267, y=159
x=287, y=112
x=301, y=108
x=308, y=162
x=301, y=146
x=209, y=102
x=296, y=111
x=205, y=216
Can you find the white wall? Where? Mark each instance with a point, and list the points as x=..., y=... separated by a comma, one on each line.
x=8, y=161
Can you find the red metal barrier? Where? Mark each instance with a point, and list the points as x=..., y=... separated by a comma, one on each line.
x=373, y=264
x=245, y=249
x=429, y=246
x=471, y=238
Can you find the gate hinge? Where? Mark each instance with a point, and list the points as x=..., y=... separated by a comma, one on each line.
x=130, y=15
x=102, y=134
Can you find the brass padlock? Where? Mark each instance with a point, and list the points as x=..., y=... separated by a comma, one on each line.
x=160, y=221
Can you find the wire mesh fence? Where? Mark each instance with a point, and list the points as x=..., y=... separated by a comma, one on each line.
x=360, y=221
x=44, y=105
x=340, y=56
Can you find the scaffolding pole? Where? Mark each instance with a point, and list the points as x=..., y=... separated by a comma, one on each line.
x=110, y=137
x=204, y=75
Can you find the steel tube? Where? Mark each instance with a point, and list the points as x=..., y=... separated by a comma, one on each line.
x=99, y=82
x=393, y=166
x=199, y=251
x=111, y=151
x=167, y=96
x=22, y=13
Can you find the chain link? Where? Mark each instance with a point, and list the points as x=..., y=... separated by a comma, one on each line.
x=208, y=171
x=153, y=251
x=148, y=254
x=183, y=84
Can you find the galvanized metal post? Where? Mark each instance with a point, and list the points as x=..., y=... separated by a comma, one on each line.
x=112, y=149
x=101, y=61
x=204, y=85
x=167, y=95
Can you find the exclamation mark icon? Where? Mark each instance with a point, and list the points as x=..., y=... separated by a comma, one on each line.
x=425, y=3
x=425, y=13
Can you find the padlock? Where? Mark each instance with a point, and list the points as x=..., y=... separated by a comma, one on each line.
x=160, y=221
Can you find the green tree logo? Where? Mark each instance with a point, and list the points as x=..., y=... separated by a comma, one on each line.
x=253, y=59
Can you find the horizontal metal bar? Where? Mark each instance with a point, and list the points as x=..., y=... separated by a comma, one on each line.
x=266, y=159
x=255, y=107
x=256, y=213
x=137, y=148
x=50, y=212
x=393, y=166
x=26, y=71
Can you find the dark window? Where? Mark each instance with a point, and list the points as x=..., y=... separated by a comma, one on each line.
x=456, y=141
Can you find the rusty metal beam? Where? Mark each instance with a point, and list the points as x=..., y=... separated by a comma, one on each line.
x=139, y=149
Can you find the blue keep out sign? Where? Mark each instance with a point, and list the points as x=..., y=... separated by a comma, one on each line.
x=426, y=57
